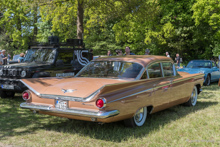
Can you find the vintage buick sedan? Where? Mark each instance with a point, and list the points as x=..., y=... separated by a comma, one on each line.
x=111, y=89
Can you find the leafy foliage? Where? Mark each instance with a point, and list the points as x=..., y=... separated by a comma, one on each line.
x=190, y=28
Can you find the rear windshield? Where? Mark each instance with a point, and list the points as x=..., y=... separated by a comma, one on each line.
x=111, y=69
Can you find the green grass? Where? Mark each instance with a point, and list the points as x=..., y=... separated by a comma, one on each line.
x=177, y=126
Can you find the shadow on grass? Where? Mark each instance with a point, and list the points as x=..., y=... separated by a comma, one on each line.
x=15, y=121
x=209, y=92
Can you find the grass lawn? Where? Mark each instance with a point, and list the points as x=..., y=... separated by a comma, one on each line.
x=177, y=126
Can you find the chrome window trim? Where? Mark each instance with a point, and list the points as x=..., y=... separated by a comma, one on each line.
x=152, y=64
x=161, y=67
x=140, y=73
x=174, y=71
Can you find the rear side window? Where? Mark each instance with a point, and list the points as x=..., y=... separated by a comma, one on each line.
x=167, y=69
x=154, y=70
x=65, y=57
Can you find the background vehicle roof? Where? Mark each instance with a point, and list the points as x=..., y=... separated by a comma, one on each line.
x=141, y=59
x=200, y=60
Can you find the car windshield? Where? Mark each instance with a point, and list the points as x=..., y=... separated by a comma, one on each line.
x=111, y=69
x=199, y=64
x=40, y=55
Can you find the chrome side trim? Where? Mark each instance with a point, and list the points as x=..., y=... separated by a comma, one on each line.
x=131, y=95
x=10, y=79
x=49, y=108
x=154, y=88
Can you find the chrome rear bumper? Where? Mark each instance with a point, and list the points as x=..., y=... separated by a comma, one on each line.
x=94, y=114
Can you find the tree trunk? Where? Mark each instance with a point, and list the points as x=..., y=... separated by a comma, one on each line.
x=35, y=21
x=80, y=19
x=1, y=15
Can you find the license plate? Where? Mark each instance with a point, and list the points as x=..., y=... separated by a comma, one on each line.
x=68, y=74
x=61, y=104
x=7, y=86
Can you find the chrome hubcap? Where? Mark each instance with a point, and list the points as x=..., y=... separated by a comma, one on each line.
x=194, y=97
x=139, y=115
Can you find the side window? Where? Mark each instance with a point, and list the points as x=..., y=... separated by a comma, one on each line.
x=64, y=58
x=154, y=70
x=167, y=69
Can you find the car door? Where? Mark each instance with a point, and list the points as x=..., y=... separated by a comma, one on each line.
x=161, y=86
x=215, y=75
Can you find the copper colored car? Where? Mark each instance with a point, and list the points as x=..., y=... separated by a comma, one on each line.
x=111, y=89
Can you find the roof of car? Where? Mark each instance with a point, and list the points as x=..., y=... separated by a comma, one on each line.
x=200, y=60
x=141, y=59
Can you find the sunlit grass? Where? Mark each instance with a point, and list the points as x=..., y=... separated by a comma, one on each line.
x=177, y=126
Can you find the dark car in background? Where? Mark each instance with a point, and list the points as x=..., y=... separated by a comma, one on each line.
x=44, y=60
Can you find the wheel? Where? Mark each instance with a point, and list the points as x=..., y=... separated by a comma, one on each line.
x=207, y=81
x=10, y=93
x=193, y=98
x=3, y=94
x=138, y=119
x=6, y=94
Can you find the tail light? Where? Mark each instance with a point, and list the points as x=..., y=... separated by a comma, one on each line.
x=101, y=103
x=26, y=95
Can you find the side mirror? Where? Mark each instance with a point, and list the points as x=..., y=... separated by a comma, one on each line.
x=184, y=66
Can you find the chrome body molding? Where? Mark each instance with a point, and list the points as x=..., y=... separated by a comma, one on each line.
x=10, y=79
x=132, y=95
x=85, y=113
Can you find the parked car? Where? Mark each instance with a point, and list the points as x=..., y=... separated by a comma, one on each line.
x=209, y=68
x=111, y=89
x=43, y=60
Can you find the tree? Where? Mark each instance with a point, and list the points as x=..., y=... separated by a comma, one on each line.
x=207, y=12
x=18, y=21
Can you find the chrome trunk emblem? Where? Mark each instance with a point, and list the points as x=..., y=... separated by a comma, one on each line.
x=68, y=90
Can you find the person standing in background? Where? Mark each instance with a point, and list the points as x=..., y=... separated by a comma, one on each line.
x=178, y=60
x=167, y=54
x=128, y=51
x=21, y=58
x=1, y=60
x=109, y=53
x=119, y=53
x=9, y=56
x=4, y=58
x=147, y=52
